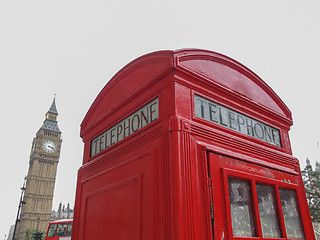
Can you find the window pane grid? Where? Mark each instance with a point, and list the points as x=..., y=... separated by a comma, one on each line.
x=62, y=229
x=255, y=207
x=259, y=215
x=268, y=211
x=241, y=208
x=52, y=230
x=278, y=201
x=69, y=230
x=291, y=213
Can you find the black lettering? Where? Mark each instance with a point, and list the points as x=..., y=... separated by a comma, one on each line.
x=95, y=142
x=152, y=118
x=249, y=127
x=221, y=118
x=267, y=131
x=242, y=122
x=112, y=134
x=102, y=144
x=259, y=134
x=126, y=128
x=119, y=131
x=231, y=120
x=275, y=136
x=138, y=123
x=145, y=117
x=106, y=140
x=201, y=107
x=212, y=112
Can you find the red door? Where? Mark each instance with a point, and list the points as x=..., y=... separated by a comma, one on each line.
x=250, y=201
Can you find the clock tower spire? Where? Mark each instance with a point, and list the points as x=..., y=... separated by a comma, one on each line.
x=51, y=123
x=44, y=159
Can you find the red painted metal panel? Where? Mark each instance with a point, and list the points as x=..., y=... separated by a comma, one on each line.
x=126, y=84
x=103, y=207
x=230, y=75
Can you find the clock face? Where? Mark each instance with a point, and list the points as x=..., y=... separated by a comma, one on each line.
x=49, y=146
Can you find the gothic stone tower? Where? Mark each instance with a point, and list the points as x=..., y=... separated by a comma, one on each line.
x=44, y=158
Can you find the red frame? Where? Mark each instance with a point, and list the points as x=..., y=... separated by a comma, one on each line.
x=158, y=176
x=253, y=179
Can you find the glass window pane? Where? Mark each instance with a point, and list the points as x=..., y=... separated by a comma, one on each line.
x=52, y=230
x=291, y=214
x=62, y=229
x=268, y=211
x=69, y=231
x=241, y=208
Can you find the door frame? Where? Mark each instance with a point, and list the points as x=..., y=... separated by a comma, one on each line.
x=220, y=195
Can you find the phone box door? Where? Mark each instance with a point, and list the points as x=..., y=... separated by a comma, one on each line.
x=253, y=201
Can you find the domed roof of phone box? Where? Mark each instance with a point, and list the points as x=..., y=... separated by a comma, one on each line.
x=200, y=64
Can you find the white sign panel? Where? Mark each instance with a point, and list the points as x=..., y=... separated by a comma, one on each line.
x=226, y=117
x=133, y=123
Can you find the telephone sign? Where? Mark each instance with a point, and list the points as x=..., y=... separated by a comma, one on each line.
x=226, y=117
x=136, y=121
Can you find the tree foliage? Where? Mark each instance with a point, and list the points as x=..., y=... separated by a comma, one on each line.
x=311, y=181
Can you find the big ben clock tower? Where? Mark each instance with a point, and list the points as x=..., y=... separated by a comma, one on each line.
x=44, y=158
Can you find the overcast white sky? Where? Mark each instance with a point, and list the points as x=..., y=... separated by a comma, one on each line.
x=72, y=49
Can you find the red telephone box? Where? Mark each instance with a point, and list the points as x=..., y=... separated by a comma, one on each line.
x=189, y=144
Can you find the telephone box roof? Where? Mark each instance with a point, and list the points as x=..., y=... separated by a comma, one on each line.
x=207, y=65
